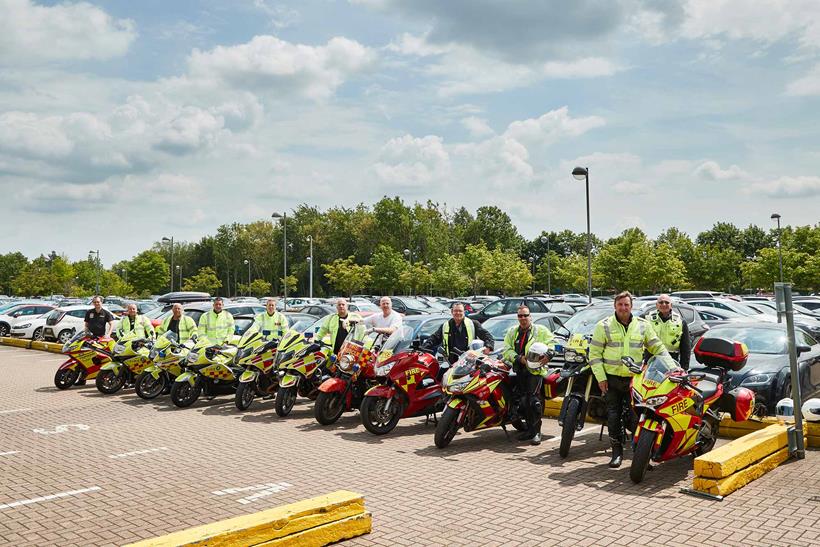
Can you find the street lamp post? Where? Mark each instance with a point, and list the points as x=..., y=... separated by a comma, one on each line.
x=166, y=240
x=248, y=262
x=776, y=216
x=582, y=173
x=532, y=269
x=179, y=271
x=545, y=239
x=284, y=218
x=310, y=268
x=97, y=264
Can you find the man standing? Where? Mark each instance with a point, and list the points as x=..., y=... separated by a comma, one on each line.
x=217, y=325
x=271, y=323
x=98, y=320
x=386, y=322
x=672, y=330
x=617, y=336
x=179, y=323
x=133, y=322
x=455, y=335
x=335, y=325
x=517, y=343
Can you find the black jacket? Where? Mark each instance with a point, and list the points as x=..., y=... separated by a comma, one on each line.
x=458, y=340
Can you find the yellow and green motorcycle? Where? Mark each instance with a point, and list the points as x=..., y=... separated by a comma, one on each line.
x=168, y=357
x=130, y=356
x=300, y=361
x=209, y=368
x=257, y=356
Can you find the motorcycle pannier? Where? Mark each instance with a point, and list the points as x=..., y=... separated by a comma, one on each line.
x=719, y=352
x=739, y=403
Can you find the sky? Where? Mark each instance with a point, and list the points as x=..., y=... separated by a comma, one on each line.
x=124, y=122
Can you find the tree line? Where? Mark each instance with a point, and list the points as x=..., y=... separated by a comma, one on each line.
x=392, y=247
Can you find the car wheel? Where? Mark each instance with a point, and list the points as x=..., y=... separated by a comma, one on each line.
x=38, y=334
x=65, y=336
x=4, y=329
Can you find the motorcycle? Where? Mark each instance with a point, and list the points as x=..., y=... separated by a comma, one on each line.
x=678, y=410
x=258, y=361
x=583, y=398
x=408, y=386
x=168, y=357
x=208, y=368
x=351, y=375
x=130, y=358
x=299, y=360
x=480, y=395
x=86, y=354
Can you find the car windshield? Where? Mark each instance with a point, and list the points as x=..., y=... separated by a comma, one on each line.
x=584, y=321
x=758, y=340
x=744, y=309
x=155, y=313
x=498, y=326
x=416, y=304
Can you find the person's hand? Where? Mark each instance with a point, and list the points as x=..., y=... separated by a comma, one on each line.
x=487, y=350
x=604, y=385
x=522, y=360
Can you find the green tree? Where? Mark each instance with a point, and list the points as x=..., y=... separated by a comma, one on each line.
x=45, y=276
x=260, y=287
x=148, y=273
x=505, y=272
x=623, y=259
x=448, y=277
x=723, y=235
x=416, y=279
x=473, y=260
x=11, y=264
x=347, y=276
x=715, y=268
x=292, y=282
x=388, y=266
x=570, y=274
x=205, y=280
x=494, y=228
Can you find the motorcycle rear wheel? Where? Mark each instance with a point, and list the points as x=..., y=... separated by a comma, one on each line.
x=640, y=459
x=184, y=394
x=329, y=407
x=245, y=394
x=373, y=415
x=147, y=387
x=447, y=427
x=568, y=429
x=285, y=399
x=109, y=382
x=65, y=378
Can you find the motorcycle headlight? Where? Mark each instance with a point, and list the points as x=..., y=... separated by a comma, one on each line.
x=569, y=355
x=457, y=385
x=757, y=380
x=346, y=363
x=384, y=370
x=656, y=401
x=153, y=354
x=193, y=357
x=119, y=348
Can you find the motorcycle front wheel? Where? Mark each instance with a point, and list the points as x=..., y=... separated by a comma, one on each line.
x=109, y=382
x=447, y=427
x=183, y=394
x=568, y=430
x=640, y=459
x=245, y=394
x=285, y=399
x=65, y=378
x=329, y=407
x=147, y=387
x=375, y=419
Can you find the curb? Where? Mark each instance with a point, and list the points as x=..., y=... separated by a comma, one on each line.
x=29, y=344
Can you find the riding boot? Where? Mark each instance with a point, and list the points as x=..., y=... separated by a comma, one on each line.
x=617, y=454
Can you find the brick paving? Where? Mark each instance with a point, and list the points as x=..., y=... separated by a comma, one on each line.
x=482, y=490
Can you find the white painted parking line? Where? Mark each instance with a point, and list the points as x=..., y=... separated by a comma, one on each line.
x=59, y=495
x=63, y=428
x=137, y=452
x=585, y=431
x=14, y=410
x=261, y=491
x=9, y=453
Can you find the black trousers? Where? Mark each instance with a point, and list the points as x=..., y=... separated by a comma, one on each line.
x=529, y=389
x=617, y=396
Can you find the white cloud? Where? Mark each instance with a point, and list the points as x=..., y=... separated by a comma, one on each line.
x=551, y=127
x=411, y=162
x=807, y=85
x=710, y=170
x=34, y=33
x=787, y=187
x=269, y=65
x=280, y=16
x=477, y=127
x=630, y=188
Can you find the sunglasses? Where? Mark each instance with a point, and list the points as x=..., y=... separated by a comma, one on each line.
x=523, y=315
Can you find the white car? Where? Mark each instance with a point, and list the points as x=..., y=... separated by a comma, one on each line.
x=29, y=327
x=62, y=323
x=27, y=310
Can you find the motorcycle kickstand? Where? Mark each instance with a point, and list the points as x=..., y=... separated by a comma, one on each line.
x=427, y=419
x=506, y=433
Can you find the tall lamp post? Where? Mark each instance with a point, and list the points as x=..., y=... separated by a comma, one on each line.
x=284, y=218
x=776, y=216
x=97, y=264
x=545, y=239
x=310, y=268
x=248, y=262
x=179, y=271
x=171, y=240
x=532, y=269
x=582, y=173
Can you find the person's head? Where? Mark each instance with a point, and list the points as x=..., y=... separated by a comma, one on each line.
x=524, y=318
x=386, y=305
x=131, y=310
x=341, y=307
x=270, y=306
x=458, y=312
x=97, y=303
x=176, y=311
x=623, y=305
x=218, y=304
x=664, y=304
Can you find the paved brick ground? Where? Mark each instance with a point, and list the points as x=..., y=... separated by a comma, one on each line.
x=483, y=490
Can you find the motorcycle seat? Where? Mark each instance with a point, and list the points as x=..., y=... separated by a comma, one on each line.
x=708, y=388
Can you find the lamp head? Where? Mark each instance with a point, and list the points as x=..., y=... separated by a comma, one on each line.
x=775, y=216
x=580, y=173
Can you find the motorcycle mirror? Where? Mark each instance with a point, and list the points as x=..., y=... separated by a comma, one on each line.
x=415, y=344
x=677, y=379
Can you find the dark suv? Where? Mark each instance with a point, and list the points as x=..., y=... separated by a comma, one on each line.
x=510, y=305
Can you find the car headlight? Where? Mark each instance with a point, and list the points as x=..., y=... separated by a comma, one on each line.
x=384, y=370
x=193, y=357
x=757, y=380
x=119, y=348
x=23, y=326
x=656, y=401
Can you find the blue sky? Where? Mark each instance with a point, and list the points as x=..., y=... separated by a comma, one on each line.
x=170, y=118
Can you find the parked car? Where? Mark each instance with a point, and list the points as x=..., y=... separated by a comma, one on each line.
x=808, y=321
x=407, y=305
x=767, y=370
x=300, y=321
x=28, y=327
x=808, y=302
x=696, y=295
x=717, y=316
x=499, y=325
x=183, y=297
x=509, y=305
x=423, y=327
x=318, y=310
x=738, y=307
x=12, y=313
x=62, y=323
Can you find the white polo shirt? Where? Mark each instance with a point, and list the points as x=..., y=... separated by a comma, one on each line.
x=379, y=321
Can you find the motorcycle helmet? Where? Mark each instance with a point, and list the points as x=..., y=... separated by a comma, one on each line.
x=536, y=352
x=785, y=410
x=811, y=410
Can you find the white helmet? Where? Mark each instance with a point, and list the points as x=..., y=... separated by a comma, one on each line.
x=536, y=352
x=811, y=410
x=785, y=410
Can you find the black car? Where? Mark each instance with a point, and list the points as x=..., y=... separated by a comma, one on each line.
x=767, y=370
x=510, y=305
x=318, y=310
x=408, y=305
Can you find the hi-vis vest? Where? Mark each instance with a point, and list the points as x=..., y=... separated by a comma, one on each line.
x=187, y=327
x=670, y=331
x=445, y=334
x=538, y=333
x=142, y=326
x=611, y=341
x=217, y=328
x=275, y=325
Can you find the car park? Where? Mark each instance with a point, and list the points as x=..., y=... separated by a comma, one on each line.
x=13, y=313
x=28, y=327
x=510, y=305
x=725, y=304
x=62, y=323
x=809, y=302
x=407, y=305
x=767, y=371
x=810, y=322
x=717, y=316
x=318, y=310
x=695, y=295
x=696, y=325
